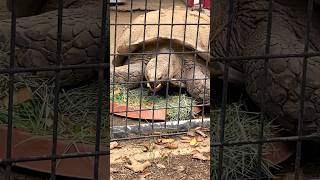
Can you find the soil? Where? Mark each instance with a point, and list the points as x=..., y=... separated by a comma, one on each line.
x=176, y=167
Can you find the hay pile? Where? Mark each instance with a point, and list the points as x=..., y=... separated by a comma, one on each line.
x=77, y=117
x=177, y=108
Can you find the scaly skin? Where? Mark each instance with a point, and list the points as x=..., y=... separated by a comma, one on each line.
x=26, y=8
x=284, y=75
x=36, y=41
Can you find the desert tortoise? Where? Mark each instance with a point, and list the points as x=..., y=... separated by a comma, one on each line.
x=181, y=65
x=283, y=85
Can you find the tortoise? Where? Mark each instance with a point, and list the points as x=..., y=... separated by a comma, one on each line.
x=160, y=53
x=282, y=86
x=163, y=48
x=36, y=37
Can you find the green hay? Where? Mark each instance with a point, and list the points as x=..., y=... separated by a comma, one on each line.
x=147, y=100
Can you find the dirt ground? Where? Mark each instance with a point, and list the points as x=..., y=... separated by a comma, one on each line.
x=175, y=168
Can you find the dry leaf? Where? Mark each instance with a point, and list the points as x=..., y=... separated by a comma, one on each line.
x=161, y=166
x=167, y=141
x=113, y=145
x=172, y=146
x=200, y=157
x=19, y=96
x=193, y=142
x=195, y=151
x=191, y=133
x=185, y=138
x=136, y=166
x=200, y=138
x=185, y=141
x=201, y=133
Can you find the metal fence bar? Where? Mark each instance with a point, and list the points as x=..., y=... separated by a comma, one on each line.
x=102, y=90
x=156, y=54
x=129, y=60
x=114, y=68
x=263, y=97
x=11, y=87
x=142, y=63
x=170, y=47
x=302, y=91
x=56, y=91
x=225, y=90
x=183, y=59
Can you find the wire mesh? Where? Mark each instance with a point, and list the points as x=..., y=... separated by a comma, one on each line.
x=139, y=56
x=271, y=33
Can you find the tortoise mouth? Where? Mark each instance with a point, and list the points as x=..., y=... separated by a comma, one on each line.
x=154, y=86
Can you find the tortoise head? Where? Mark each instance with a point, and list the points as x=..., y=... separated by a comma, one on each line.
x=156, y=73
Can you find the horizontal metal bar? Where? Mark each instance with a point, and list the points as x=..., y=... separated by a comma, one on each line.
x=161, y=24
x=48, y=157
x=150, y=109
x=262, y=57
x=54, y=68
x=170, y=80
x=270, y=140
x=154, y=53
x=182, y=125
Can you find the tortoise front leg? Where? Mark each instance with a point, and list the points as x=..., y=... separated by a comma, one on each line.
x=197, y=82
x=120, y=75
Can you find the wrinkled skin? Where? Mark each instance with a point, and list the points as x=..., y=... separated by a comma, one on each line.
x=248, y=38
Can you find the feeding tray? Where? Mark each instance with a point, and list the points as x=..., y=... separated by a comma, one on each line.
x=25, y=145
x=146, y=114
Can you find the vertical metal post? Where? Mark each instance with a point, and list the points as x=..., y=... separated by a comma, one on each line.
x=302, y=91
x=11, y=86
x=56, y=91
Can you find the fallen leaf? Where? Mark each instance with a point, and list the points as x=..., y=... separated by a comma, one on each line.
x=19, y=96
x=200, y=157
x=200, y=138
x=191, y=133
x=195, y=151
x=164, y=141
x=172, y=146
x=193, y=142
x=185, y=141
x=185, y=138
x=167, y=140
x=113, y=145
x=161, y=166
x=136, y=166
x=201, y=133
